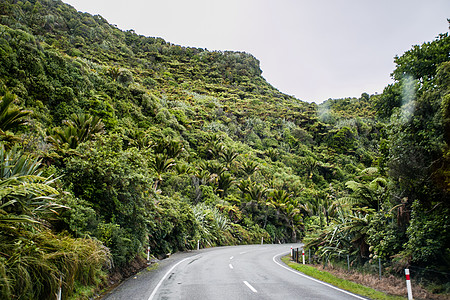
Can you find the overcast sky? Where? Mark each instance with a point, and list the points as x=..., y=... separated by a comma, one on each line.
x=314, y=50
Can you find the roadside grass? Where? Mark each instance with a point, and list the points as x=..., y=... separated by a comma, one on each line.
x=339, y=282
x=83, y=292
x=152, y=267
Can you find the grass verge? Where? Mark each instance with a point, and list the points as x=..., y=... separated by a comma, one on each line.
x=339, y=282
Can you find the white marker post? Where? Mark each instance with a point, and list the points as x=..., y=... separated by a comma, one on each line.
x=379, y=267
x=58, y=296
x=262, y=240
x=303, y=255
x=148, y=253
x=292, y=253
x=408, y=285
x=198, y=244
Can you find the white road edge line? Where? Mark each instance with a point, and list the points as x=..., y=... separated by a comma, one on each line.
x=250, y=287
x=313, y=279
x=231, y=266
x=165, y=276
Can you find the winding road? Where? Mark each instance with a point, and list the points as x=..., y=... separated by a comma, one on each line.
x=236, y=272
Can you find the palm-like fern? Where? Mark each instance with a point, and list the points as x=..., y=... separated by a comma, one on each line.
x=215, y=148
x=272, y=154
x=369, y=195
x=323, y=207
x=310, y=165
x=228, y=156
x=212, y=223
x=25, y=196
x=288, y=207
x=252, y=191
x=79, y=128
x=224, y=182
x=357, y=228
x=161, y=164
x=86, y=125
x=11, y=117
x=37, y=259
x=249, y=167
x=171, y=148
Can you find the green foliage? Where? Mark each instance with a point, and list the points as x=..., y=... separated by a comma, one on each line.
x=343, y=141
x=25, y=195
x=34, y=265
x=385, y=236
x=165, y=145
x=80, y=219
x=400, y=215
x=428, y=235
x=79, y=128
x=10, y=117
x=161, y=164
x=421, y=62
x=212, y=224
x=116, y=183
x=174, y=227
x=34, y=260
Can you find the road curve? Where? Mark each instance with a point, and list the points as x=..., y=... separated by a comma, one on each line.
x=236, y=272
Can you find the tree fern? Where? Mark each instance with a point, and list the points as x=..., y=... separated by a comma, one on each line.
x=11, y=117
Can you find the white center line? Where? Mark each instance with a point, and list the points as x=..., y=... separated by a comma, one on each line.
x=243, y=252
x=232, y=257
x=231, y=266
x=250, y=287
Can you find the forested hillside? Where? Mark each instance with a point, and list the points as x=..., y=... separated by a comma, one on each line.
x=112, y=142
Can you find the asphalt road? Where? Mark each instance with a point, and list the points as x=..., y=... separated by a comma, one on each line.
x=237, y=272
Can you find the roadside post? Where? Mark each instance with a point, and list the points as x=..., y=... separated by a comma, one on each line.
x=292, y=253
x=58, y=296
x=303, y=256
x=379, y=267
x=408, y=284
x=198, y=244
x=148, y=253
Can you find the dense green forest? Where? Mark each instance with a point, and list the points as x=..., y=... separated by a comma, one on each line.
x=112, y=142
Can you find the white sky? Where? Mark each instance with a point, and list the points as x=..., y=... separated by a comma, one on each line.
x=312, y=49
